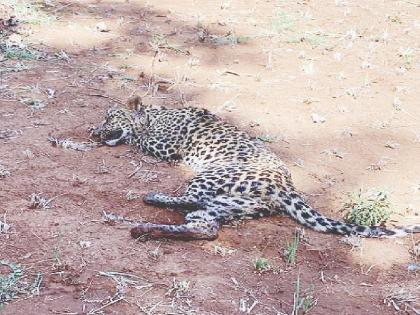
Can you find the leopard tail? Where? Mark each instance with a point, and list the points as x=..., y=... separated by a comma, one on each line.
x=307, y=216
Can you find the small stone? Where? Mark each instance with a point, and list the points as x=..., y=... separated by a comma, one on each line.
x=4, y=227
x=413, y=267
x=316, y=118
x=102, y=27
x=85, y=244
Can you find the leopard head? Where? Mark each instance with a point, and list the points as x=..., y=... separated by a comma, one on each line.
x=122, y=125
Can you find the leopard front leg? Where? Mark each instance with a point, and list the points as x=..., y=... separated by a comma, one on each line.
x=198, y=226
x=184, y=204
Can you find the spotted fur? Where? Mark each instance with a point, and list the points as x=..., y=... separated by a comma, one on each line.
x=237, y=176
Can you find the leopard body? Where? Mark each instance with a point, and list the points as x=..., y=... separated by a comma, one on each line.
x=237, y=176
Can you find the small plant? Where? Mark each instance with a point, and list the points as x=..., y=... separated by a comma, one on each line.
x=230, y=38
x=407, y=56
x=266, y=138
x=367, y=208
x=131, y=195
x=179, y=288
x=102, y=168
x=18, y=67
x=35, y=104
x=281, y=22
x=160, y=41
x=8, y=134
x=261, y=264
x=4, y=172
x=18, y=53
x=29, y=11
x=78, y=181
x=15, y=283
x=39, y=202
x=291, y=249
x=302, y=304
x=222, y=251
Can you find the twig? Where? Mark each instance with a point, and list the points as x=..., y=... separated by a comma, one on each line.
x=106, y=305
x=106, y=96
x=62, y=7
x=138, y=168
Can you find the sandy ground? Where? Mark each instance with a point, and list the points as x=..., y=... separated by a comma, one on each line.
x=271, y=67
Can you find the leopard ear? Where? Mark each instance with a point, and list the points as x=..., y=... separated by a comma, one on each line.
x=134, y=103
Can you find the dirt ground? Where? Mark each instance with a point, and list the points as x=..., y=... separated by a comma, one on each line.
x=331, y=86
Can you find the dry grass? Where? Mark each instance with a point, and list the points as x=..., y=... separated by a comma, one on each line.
x=303, y=301
x=404, y=299
x=37, y=201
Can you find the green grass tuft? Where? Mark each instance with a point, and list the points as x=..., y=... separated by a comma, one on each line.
x=290, y=252
x=17, y=53
x=261, y=264
x=368, y=208
x=303, y=302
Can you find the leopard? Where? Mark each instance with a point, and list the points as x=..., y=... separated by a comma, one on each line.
x=237, y=176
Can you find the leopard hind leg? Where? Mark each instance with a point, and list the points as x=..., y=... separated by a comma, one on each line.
x=205, y=223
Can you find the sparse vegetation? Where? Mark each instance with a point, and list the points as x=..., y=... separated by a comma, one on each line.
x=160, y=41
x=266, y=138
x=29, y=11
x=18, y=67
x=406, y=55
x=222, y=250
x=17, y=53
x=261, y=264
x=15, y=284
x=131, y=195
x=281, y=22
x=290, y=253
x=354, y=241
x=122, y=282
x=9, y=134
x=405, y=299
x=303, y=302
x=229, y=38
x=368, y=208
x=34, y=104
x=37, y=201
x=4, y=172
